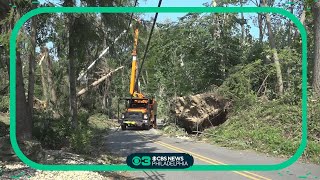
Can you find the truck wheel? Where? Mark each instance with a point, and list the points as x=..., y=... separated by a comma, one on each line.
x=123, y=127
x=146, y=127
x=155, y=122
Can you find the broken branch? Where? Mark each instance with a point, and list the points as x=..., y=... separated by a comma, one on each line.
x=84, y=90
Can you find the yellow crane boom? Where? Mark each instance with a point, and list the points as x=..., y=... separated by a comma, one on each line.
x=134, y=90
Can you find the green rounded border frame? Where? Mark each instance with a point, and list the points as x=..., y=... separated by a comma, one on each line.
x=124, y=167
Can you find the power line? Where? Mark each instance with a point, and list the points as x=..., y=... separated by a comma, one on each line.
x=82, y=74
x=147, y=47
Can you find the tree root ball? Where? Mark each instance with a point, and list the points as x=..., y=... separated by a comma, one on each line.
x=201, y=111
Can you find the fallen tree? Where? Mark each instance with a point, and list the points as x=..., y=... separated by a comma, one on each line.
x=195, y=113
x=84, y=90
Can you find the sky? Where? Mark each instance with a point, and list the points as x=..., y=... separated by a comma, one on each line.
x=162, y=17
x=254, y=31
x=170, y=3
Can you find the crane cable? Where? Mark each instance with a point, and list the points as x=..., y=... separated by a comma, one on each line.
x=147, y=47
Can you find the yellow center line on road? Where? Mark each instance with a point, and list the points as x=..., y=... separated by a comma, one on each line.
x=205, y=159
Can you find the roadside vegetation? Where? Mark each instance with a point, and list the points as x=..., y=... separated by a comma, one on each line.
x=261, y=78
x=271, y=127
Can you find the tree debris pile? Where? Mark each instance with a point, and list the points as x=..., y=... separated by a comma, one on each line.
x=199, y=111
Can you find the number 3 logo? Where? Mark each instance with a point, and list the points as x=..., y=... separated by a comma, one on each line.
x=146, y=160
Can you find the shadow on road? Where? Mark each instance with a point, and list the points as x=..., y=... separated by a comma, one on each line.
x=129, y=141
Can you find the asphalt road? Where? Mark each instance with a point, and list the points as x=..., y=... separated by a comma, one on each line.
x=132, y=141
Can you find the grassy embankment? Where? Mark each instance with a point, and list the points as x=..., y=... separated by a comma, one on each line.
x=270, y=127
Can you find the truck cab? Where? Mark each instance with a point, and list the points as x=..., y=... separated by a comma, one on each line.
x=140, y=112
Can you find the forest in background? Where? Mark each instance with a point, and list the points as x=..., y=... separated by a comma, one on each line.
x=199, y=53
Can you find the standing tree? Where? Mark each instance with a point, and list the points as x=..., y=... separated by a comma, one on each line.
x=24, y=116
x=72, y=66
x=32, y=57
x=316, y=68
x=274, y=52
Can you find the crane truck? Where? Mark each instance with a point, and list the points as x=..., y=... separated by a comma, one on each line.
x=140, y=111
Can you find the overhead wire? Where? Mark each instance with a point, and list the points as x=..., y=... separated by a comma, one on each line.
x=147, y=46
x=83, y=73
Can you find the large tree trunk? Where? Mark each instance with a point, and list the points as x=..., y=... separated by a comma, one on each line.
x=274, y=52
x=72, y=66
x=32, y=57
x=23, y=128
x=72, y=75
x=316, y=68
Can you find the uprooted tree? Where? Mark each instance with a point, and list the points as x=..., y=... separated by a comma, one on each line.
x=194, y=113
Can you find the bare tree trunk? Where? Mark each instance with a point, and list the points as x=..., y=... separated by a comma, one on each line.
x=316, y=67
x=260, y=21
x=122, y=80
x=144, y=82
x=42, y=65
x=242, y=25
x=53, y=94
x=110, y=114
x=72, y=75
x=147, y=78
x=303, y=17
x=72, y=65
x=260, y=28
x=302, y=20
x=289, y=41
x=275, y=53
x=109, y=98
x=23, y=128
x=105, y=96
x=31, y=82
x=290, y=26
x=214, y=26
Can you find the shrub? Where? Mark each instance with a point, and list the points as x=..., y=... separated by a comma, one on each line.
x=80, y=139
x=4, y=103
x=52, y=133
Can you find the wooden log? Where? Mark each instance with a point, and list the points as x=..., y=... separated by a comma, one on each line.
x=95, y=83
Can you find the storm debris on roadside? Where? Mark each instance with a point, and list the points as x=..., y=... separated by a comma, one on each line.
x=197, y=112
